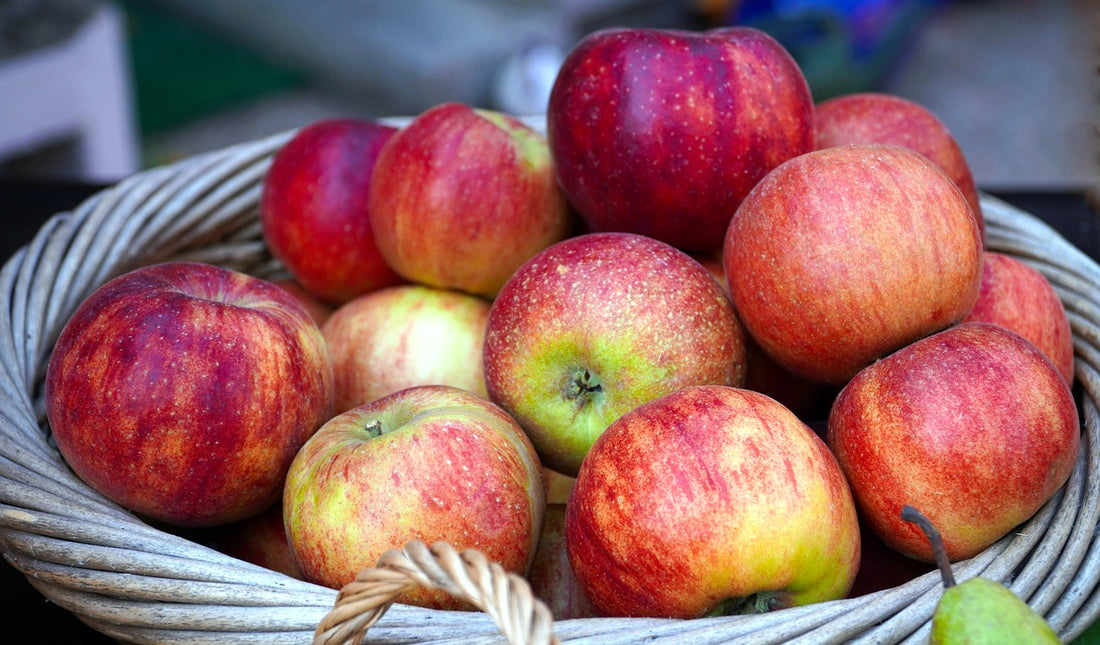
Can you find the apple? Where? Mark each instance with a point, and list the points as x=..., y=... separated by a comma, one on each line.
x=973, y=425
x=428, y=463
x=406, y=335
x=314, y=213
x=663, y=132
x=461, y=196
x=551, y=576
x=318, y=310
x=1016, y=295
x=710, y=500
x=598, y=324
x=261, y=540
x=182, y=391
x=880, y=117
x=558, y=486
x=843, y=255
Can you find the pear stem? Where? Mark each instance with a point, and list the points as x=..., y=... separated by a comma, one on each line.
x=910, y=514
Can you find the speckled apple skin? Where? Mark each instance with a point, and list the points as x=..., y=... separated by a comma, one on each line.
x=843, y=255
x=1015, y=295
x=878, y=117
x=448, y=465
x=461, y=197
x=314, y=210
x=635, y=314
x=182, y=391
x=664, y=132
x=708, y=494
x=971, y=426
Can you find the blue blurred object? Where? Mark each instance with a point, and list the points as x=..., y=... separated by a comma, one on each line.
x=843, y=46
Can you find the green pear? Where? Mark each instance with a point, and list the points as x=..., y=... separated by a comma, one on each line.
x=979, y=610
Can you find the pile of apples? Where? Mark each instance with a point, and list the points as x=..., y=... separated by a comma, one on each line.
x=689, y=352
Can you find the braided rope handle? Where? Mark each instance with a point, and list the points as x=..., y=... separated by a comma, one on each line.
x=468, y=575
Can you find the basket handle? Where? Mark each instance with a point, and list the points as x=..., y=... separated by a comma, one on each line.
x=468, y=575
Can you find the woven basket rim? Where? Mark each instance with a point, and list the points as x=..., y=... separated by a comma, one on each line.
x=136, y=583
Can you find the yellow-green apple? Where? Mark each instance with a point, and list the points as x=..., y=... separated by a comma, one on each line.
x=1016, y=295
x=261, y=540
x=462, y=196
x=663, y=132
x=973, y=425
x=598, y=324
x=403, y=336
x=710, y=500
x=843, y=255
x=880, y=117
x=183, y=390
x=314, y=213
x=551, y=576
x=318, y=309
x=428, y=463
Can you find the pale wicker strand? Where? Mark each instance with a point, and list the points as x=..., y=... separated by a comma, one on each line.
x=466, y=575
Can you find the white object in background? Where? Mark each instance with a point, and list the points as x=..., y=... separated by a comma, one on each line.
x=75, y=93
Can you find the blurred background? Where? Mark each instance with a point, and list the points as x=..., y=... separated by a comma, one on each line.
x=94, y=90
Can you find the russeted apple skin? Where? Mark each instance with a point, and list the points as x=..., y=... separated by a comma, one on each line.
x=182, y=391
x=314, y=210
x=598, y=324
x=664, y=132
x=973, y=425
x=843, y=255
x=879, y=117
x=705, y=495
x=440, y=463
x=1017, y=296
x=461, y=197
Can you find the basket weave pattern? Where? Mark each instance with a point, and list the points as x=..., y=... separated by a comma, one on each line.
x=136, y=583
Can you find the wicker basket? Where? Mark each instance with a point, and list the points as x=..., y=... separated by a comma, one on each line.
x=135, y=583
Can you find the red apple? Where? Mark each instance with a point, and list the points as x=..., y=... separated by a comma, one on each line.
x=1017, y=296
x=843, y=255
x=314, y=212
x=973, y=425
x=598, y=324
x=877, y=117
x=403, y=336
x=427, y=463
x=317, y=309
x=182, y=391
x=462, y=196
x=261, y=540
x=664, y=132
x=710, y=500
x=551, y=576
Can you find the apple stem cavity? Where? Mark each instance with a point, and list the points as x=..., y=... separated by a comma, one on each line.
x=581, y=386
x=912, y=515
x=373, y=428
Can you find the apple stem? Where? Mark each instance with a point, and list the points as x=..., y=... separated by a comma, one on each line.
x=581, y=384
x=374, y=428
x=910, y=514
